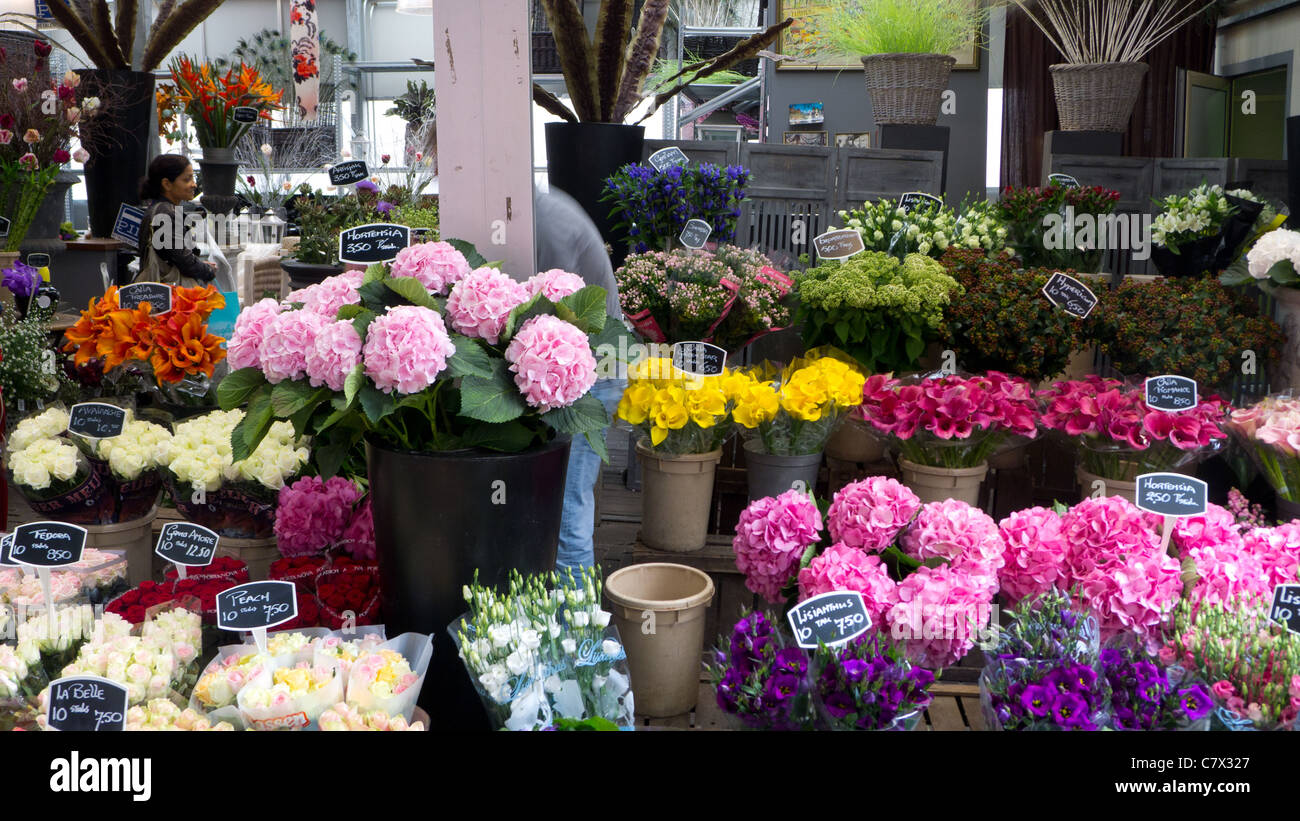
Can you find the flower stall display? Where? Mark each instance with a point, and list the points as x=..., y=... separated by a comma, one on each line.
x=1120, y=438
x=22, y=677
x=96, y=578
x=234, y=497
x=946, y=428
x=980, y=228
x=209, y=99
x=728, y=296
x=867, y=684
x=759, y=679
x=1270, y=432
x=881, y=312
x=889, y=228
x=653, y=206
x=1146, y=696
x=1002, y=323
x=1040, y=224
x=786, y=417
x=1206, y=228
x=538, y=655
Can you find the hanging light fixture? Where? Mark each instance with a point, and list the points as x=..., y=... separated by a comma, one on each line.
x=420, y=7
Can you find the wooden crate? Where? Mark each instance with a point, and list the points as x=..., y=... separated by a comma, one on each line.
x=730, y=596
x=955, y=707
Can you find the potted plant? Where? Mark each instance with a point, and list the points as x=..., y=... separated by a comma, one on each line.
x=605, y=76
x=418, y=107
x=319, y=220
x=1037, y=220
x=906, y=50
x=123, y=78
x=1103, y=42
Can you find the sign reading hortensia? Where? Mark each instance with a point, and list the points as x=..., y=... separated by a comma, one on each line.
x=1171, y=494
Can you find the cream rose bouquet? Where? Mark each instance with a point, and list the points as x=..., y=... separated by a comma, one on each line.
x=21, y=673
x=234, y=668
x=389, y=679
x=886, y=226
x=162, y=714
x=48, y=468
x=294, y=699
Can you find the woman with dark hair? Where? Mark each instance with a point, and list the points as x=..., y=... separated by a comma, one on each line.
x=170, y=183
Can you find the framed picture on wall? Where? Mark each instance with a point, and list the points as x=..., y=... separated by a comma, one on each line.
x=800, y=41
x=853, y=139
x=804, y=138
x=807, y=114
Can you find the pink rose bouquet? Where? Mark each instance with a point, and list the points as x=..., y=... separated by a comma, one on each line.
x=952, y=421
x=1270, y=432
x=771, y=538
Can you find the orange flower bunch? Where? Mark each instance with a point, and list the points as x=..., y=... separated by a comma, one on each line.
x=210, y=98
x=176, y=344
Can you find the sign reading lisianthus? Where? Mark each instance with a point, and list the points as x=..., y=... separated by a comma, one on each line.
x=436, y=351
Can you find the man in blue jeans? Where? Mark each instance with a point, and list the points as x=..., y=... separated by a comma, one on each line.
x=567, y=239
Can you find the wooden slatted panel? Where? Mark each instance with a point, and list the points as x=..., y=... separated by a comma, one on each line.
x=698, y=151
x=871, y=173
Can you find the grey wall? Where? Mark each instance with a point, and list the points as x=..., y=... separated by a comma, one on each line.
x=848, y=108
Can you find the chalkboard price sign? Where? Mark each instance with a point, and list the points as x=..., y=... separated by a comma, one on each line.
x=696, y=233
x=379, y=242
x=346, y=173
x=4, y=226
x=5, y=544
x=1286, y=606
x=699, y=358
x=245, y=114
x=1171, y=494
x=38, y=260
x=96, y=420
x=257, y=605
x=669, y=157
x=1063, y=180
x=914, y=200
x=1171, y=393
x=1070, y=295
x=87, y=704
x=840, y=244
x=157, y=294
x=830, y=619
x=187, y=543
x=47, y=544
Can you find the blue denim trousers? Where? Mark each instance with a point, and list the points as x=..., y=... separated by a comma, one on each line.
x=579, y=519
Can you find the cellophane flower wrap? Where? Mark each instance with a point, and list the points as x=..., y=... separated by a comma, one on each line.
x=1270, y=432
x=952, y=421
x=388, y=679
x=761, y=678
x=885, y=226
x=545, y=651
x=1119, y=437
x=294, y=699
x=1147, y=696
x=490, y=364
x=868, y=684
x=794, y=410
x=652, y=206
x=1042, y=672
x=676, y=412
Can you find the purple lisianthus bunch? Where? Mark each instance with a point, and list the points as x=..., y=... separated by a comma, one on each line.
x=21, y=278
x=1145, y=696
x=867, y=684
x=766, y=685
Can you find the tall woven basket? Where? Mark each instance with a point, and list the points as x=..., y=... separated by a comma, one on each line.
x=1096, y=96
x=906, y=89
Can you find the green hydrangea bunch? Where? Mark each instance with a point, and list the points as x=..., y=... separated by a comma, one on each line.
x=885, y=226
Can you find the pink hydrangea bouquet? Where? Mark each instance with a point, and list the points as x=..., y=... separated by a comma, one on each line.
x=952, y=421
x=437, y=350
x=314, y=515
x=1270, y=433
x=1120, y=437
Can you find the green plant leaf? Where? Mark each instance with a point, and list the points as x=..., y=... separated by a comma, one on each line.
x=1283, y=272
x=491, y=399
x=330, y=455
x=362, y=323
x=289, y=397
x=470, y=358
x=353, y=383
x=596, y=440
x=585, y=308
x=376, y=403
x=472, y=256
x=374, y=273
x=536, y=306
x=584, y=416
x=379, y=298
x=410, y=289
x=510, y=437
x=250, y=431
x=236, y=388
x=347, y=312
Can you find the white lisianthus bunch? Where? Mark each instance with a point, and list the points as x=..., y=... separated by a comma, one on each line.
x=46, y=425
x=1281, y=246
x=135, y=451
x=885, y=226
x=199, y=453
x=47, y=465
x=980, y=227
x=1200, y=212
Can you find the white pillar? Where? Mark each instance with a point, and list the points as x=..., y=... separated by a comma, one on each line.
x=485, y=138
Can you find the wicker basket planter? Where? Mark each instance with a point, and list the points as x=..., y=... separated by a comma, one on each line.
x=1096, y=96
x=906, y=89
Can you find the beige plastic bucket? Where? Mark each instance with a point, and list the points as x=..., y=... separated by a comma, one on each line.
x=932, y=484
x=853, y=441
x=675, y=495
x=1108, y=487
x=135, y=537
x=256, y=553
x=659, y=610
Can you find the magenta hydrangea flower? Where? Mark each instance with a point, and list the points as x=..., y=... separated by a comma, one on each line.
x=964, y=536
x=312, y=514
x=437, y=265
x=334, y=355
x=771, y=536
x=406, y=349
x=359, y=536
x=328, y=295
x=286, y=339
x=552, y=362
x=1278, y=550
x=555, y=284
x=840, y=567
x=1100, y=532
x=482, y=301
x=939, y=615
x=869, y=514
x=1035, y=551
x=244, y=348
x=1133, y=593
x=1216, y=527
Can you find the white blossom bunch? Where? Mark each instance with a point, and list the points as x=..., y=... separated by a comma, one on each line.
x=885, y=226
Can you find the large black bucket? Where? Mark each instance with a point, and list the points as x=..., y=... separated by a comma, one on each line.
x=117, y=137
x=579, y=156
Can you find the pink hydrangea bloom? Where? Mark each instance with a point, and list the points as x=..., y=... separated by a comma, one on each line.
x=771, y=536
x=939, y=615
x=1100, y=532
x=1035, y=550
x=334, y=355
x=869, y=514
x=359, y=536
x=1278, y=551
x=841, y=567
x=1216, y=527
x=962, y=535
x=1226, y=571
x=286, y=339
x=328, y=295
x=437, y=265
x=481, y=302
x=244, y=348
x=312, y=514
x=1133, y=593
x=552, y=362
x=555, y=284
x=406, y=349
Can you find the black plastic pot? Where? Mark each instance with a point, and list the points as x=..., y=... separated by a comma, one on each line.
x=303, y=274
x=117, y=137
x=580, y=156
x=441, y=516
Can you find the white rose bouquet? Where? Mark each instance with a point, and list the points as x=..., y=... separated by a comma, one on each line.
x=885, y=226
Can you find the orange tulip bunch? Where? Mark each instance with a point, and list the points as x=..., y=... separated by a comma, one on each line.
x=176, y=344
x=210, y=99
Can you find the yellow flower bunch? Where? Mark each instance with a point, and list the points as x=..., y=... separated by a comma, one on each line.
x=678, y=412
x=794, y=412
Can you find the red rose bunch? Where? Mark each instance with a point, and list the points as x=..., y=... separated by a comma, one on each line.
x=134, y=604
x=348, y=585
x=301, y=570
x=223, y=568
x=308, y=614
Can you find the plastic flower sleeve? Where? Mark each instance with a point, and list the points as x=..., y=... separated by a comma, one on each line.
x=294, y=699
x=390, y=678
x=235, y=667
x=591, y=682
x=510, y=686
